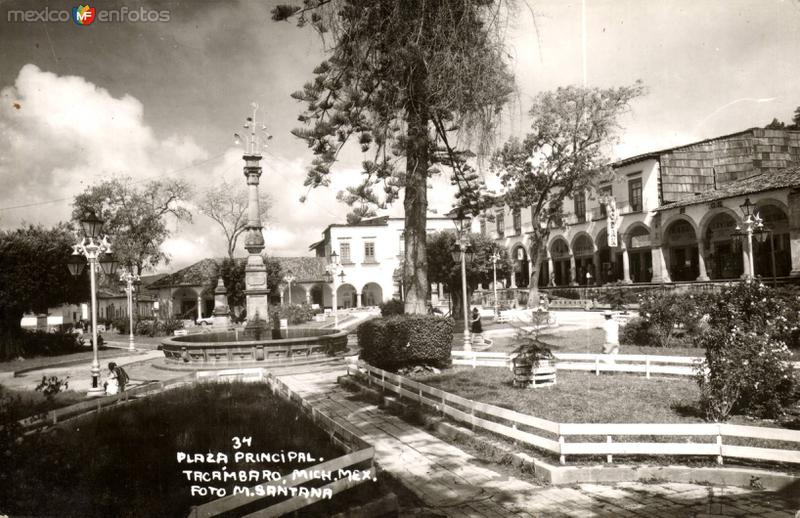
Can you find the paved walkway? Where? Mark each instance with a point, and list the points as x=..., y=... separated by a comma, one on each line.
x=453, y=483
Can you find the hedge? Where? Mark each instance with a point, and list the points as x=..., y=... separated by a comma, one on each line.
x=406, y=340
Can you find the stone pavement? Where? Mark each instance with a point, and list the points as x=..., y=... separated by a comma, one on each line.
x=452, y=482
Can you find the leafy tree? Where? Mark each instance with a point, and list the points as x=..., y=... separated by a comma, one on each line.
x=34, y=274
x=563, y=155
x=795, y=125
x=443, y=269
x=227, y=205
x=414, y=82
x=135, y=218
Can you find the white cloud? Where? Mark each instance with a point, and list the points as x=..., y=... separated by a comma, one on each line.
x=59, y=134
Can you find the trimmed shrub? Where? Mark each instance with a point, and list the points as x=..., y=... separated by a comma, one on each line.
x=670, y=315
x=564, y=293
x=392, y=307
x=405, y=341
x=122, y=325
x=636, y=332
x=42, y=343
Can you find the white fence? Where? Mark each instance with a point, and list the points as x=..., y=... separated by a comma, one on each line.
x=705, y=439
x=641, y=363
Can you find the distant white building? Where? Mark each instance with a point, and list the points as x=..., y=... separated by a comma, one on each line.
x=370, y=253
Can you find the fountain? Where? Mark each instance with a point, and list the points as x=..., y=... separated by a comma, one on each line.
x=251, y=346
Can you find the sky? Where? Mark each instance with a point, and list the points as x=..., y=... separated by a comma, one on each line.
x=148, y=100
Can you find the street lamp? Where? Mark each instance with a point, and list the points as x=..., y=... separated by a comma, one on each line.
x=495, y=257
x=289, y=279
x=93, y=250
x=129, y=278
x=462, y=252
x=333, y=270
x=750, y=221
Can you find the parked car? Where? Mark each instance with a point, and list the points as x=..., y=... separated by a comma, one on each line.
x=205, y=321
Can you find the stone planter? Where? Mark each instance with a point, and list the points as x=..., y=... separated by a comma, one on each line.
x=528, y=376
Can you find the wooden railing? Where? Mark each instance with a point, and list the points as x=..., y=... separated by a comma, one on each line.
x=551, y=437
x=641, y=363
x=90, y=406
x=359, y=455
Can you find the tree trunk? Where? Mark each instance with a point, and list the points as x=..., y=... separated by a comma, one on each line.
x=415, y=203
x=538, y=253
x=10, y=328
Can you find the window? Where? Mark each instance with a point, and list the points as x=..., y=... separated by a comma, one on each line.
x=344, y=253
x=402, y=248
x=501, y=224
x=603, y=192
x=483, y=227
x=516, y=215
x=635, y=194
x=369, y=252
x=580, y=206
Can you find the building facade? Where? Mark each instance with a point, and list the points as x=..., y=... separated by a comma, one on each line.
x=370, y=253
x=669, y=216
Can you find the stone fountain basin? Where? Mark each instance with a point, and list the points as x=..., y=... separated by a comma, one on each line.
x=234, y=348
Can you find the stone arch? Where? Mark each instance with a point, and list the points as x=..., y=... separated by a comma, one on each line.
x=702, y=227
x=723, y=258
x=371, y=294
x=346, y=296
x=680, y=244
x=519, y=263
x=773, y=247
x=584, y=255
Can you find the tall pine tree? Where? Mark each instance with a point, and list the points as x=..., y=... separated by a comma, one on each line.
x=414, y=82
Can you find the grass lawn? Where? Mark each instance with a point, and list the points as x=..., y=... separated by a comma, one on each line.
x=123, y=462
x=590, y=341
x=29, y=402
x=578, y=397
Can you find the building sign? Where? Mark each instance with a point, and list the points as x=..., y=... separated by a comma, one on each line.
x=642, y=241
x=611, y=221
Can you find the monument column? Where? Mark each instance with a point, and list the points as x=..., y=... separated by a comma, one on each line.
x=255, y=276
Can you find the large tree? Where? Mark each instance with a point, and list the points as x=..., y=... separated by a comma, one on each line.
x=227, y=204
x=416, y=83
x=34, y=274
x=479, y=270
x=135, y=217
x=565, y=153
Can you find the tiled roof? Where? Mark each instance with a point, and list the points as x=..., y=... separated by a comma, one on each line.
x=656, y=154
x=202, y=273
x=766, y=181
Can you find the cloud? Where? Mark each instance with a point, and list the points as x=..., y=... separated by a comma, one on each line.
x=63, y=133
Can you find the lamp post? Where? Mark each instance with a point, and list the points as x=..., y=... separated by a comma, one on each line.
x=289, y=279
x=94, y=250
x=495, y=257
x=461, y=252
x=129, y=278
x=333, y=270
x=750, y=221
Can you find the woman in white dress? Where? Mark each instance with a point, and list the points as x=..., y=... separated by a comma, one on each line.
x=112, y=384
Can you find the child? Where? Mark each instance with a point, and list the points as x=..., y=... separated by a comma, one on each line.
x=112, y=384
x=611, y=327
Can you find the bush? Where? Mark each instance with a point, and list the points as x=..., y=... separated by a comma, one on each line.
x=405, y=341
x=294, y=313
x=41, y=343
x=392, y=307
x=747, y=367
x=157, y=327
x=636, y=332
x=122, y=325
x=671, y=314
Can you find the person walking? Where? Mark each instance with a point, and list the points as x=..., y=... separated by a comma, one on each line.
x=611, y=328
